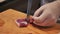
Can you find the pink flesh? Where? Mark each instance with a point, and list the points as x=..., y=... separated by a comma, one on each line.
x=19, y=21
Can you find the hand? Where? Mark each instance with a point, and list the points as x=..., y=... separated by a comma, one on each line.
x=2, y=1
x=50, y=13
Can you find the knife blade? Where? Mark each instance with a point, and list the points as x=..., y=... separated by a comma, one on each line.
x=29, y=9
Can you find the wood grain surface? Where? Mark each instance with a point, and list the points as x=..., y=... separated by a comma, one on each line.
x=7, y=20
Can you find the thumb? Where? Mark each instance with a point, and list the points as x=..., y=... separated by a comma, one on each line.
x=35, y=18
x=42, y=17
x=39, y=11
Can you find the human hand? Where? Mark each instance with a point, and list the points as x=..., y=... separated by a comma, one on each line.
x=50, y=13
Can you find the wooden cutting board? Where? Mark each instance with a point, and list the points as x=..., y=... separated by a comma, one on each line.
x=8, y=25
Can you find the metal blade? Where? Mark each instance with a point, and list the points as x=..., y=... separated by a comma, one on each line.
x=29, y=8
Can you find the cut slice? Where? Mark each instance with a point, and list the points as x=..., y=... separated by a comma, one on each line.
x=21, y=22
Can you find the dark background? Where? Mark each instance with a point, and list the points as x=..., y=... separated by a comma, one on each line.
x=21, y=5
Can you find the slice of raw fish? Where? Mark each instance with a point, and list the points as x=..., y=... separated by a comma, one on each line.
x=21, y=22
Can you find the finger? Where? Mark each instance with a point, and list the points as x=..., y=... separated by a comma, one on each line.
x=41, y=18
x=36, y=20
x=49, y=21
x=44, y=16
x=41, y=21
x=52, y=21
x=39, y=11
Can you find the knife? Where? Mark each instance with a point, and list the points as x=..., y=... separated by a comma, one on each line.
x=29, y=6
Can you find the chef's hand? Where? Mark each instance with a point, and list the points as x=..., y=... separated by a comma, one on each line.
x=50, y=13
